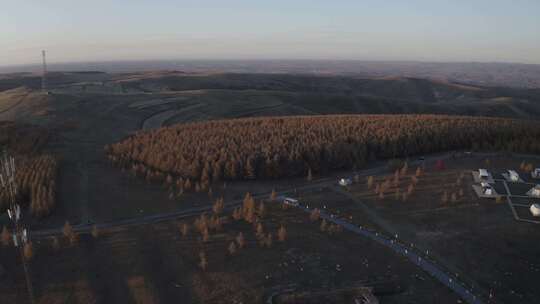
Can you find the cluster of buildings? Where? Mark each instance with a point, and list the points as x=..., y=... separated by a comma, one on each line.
x=485, y=182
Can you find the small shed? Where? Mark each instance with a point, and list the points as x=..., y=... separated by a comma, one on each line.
x=535, y=210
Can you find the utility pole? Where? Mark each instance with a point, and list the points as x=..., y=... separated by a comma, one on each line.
x=20, y=234
x=44, y=75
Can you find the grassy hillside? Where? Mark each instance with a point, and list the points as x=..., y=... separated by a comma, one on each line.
x=340, y=94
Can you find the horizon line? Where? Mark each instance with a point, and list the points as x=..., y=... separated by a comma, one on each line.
x=265, y=60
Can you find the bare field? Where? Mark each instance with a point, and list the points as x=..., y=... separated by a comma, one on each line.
x=156, y=264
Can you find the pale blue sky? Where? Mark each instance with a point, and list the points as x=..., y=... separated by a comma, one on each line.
x=421, y=30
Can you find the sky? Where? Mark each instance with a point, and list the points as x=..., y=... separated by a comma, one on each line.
x=416, y=30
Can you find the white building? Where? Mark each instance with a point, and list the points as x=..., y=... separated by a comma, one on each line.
x=535, y=210
x=486, y=188
x=535, y=191
x=344, y=182
x=483, y=174
x=513, y=176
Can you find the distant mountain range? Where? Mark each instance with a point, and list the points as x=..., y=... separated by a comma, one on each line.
x=485, y=74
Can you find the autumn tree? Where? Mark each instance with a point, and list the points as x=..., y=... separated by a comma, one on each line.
x=69, y=233
x=309, y=177
x=444, y=198
x=184, y=229
x=410, y=189
x=240, y=240
x=315, y=215
x=396, y=178
x=453, y=197
x=248, y=208
x=95, y=232
x=261, y=211
x=237, y=214
x=203, y=261
x=273, y=195
x=403, y=171
x=282, y=233
x=55, y=243
x=369, y=182
x=205, y=235
x=28, y=251
x=6, y=237
x=323, y=226
x=232, y=248
x=218, y=206
x=268, y=240
x=259, y=231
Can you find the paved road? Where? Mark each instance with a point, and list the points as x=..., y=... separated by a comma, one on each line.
x=160, y=217
x=400, y=249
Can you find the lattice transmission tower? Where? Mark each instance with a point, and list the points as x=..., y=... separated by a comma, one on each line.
x=44, y=75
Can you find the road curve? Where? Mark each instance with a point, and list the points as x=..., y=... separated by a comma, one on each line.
x=426, y=265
